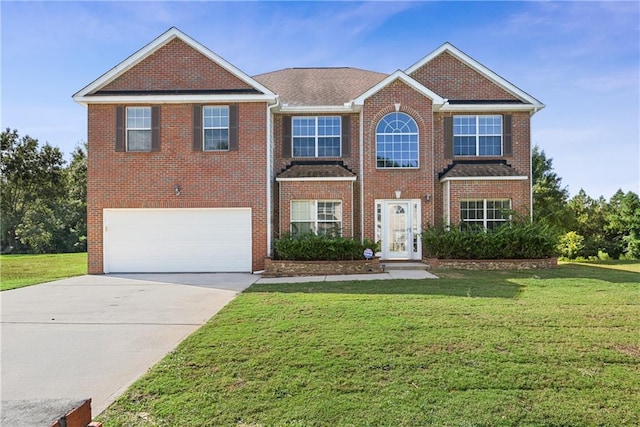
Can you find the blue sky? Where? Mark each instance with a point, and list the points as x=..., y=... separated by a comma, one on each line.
x=581, y=59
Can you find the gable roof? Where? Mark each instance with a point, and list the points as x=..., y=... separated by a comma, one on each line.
x=84, y=96
x=466, y=59
x=319, y=87
x=400, y=75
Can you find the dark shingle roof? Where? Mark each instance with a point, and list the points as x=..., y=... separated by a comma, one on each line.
x=316, y=171
x=319, y=86
x=478, y=169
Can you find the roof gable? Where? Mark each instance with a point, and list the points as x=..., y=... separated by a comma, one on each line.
x=399, y=75
x=116, y=80
x=500, y=83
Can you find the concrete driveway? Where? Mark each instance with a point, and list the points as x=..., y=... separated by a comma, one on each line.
x=92, y=336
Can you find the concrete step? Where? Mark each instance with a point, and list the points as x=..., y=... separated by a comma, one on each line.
x=417, y=265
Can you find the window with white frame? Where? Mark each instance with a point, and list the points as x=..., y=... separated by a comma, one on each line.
x=477, y=135
x=215, y=127
x=316, y=136
x=484, y=214
x=138, y=128
x=316, y=216
x=397, y=141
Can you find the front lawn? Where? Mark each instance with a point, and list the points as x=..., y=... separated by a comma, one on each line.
x=17, y=271
x=544, y=347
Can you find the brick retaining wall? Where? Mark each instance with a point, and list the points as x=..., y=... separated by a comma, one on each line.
x=492, y=264
x=281, y=268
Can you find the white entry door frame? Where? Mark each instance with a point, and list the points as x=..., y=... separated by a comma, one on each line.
x=398, y=228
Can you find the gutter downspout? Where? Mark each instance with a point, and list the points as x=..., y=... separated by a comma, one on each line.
x=534, y=111
x=530, y=182
x=361, y=132
x=270, y=171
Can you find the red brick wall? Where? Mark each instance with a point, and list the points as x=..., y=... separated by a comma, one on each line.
x=517, y=191
x=452, y=79
x=147, y=179
x=237, y=178
x=176, y=66
x=413, y=183
x=351, y=161
x=520, y=160
x=316, y=190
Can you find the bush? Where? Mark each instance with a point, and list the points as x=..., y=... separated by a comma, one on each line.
x=571, y=245
x=520, y=239
x=312, y=247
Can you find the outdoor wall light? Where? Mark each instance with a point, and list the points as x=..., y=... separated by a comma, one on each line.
x=177, y=189
x=398, y=194
x=427, y=197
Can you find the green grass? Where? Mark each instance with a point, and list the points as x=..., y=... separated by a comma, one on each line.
x=17, y=271
x=540, y=348
x=630, y=265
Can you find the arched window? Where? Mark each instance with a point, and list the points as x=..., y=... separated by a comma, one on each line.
x=397, y=141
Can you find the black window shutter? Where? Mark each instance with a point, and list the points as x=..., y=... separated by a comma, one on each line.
x=233, y=127
x=507, y=138
x=346, y=136
x=197, y=127
x=286, y=136
x=155, y=128
x=448, y=137
x=120, y=130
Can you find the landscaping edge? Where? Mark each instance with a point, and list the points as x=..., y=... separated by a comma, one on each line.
x=285, y=268
x=492, y=264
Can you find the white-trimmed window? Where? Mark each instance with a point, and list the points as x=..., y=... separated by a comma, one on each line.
x=316, y=136
x=316, y=216
x=138, y=128
x=215, y=127
x=477, y=135
x=397, y=141
x=484, y=213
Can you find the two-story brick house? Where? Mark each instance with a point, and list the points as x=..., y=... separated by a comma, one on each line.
x=195, y=166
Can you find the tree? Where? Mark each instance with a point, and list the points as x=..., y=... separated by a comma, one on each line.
x=549, y=197
x=32, y=181
x=622, y=227
x=76, y=200
x=60, y=225
x=587, y=218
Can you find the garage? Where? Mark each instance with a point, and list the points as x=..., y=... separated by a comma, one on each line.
x=177, y=240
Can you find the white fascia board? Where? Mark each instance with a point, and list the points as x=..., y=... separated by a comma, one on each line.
x=500, y=81
x=156, y=44
x=316, y=109
x=319, y=179
x=486, y=178
x=172, y=99
x=400, y=75
x=488, y=108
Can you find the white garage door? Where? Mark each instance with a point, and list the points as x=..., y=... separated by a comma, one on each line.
x=177, y=240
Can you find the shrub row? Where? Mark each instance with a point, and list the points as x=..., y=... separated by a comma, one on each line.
x=311, y=247
x=519, y=239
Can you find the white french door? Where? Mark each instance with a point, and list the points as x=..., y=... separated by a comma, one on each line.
x=398, y=228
